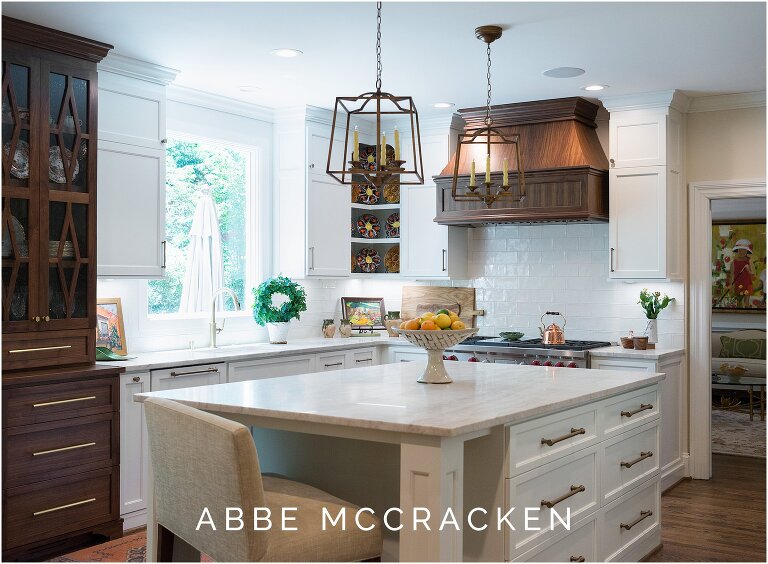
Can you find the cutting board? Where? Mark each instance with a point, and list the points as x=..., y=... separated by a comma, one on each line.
x=443, y=296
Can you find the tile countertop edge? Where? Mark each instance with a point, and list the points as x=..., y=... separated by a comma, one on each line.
x=229, y=353
x=617, y=351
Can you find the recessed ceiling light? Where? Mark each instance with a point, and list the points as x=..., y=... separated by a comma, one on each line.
x=286, y=53
x=595, y=87
x=563, y=72
x=444, y=104
x=248, y=88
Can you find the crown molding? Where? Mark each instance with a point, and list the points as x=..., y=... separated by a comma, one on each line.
x=722, y=102
x=219, y=103
x=649, y=100
x=135, y=68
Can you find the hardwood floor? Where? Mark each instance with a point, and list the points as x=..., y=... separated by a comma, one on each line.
x=717, y=520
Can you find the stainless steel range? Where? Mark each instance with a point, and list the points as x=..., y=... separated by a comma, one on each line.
x=572, y=354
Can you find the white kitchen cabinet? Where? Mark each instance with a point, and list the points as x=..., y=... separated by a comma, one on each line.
x=188, y=376
x=327, y=362
x=673, y=408
x=132, y=173
x=245, y=370
x=406, y=354
x=328, y=251
x=134, y=451
x=362, y=357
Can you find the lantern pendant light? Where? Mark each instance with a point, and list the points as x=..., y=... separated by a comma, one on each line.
x=378, y=163
x=478, y=142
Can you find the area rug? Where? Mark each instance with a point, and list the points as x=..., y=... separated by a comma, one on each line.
x=130, y=548
x=733, y=433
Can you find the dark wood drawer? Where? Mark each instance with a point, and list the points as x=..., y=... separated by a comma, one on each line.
x=46, y=509
x=51, y=402
x=48, y=348
x=47, y=450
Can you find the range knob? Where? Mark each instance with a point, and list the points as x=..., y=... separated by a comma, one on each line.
x=547, y=363
x=559, y=364
x=536, y=363
x=473, y=359
x=572, y=365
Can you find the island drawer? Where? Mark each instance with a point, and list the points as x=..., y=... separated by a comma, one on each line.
x=46, y=450
x=568, y=483
x=51, y=402
x=629, y=410
x=626, y=520
x=577, y=545
x=629, y=459
x=542, y=440
x=188, y=376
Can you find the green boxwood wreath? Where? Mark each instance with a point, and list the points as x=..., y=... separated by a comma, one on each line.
x=263, y=310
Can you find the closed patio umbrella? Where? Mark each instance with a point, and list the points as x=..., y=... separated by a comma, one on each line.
x=205, y=271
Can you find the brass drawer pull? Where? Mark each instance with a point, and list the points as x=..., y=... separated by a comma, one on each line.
x=334, y=364
x=574, y=491
x=67, y=506
x=643, y=407
x=643, y=515
x=573, y=433
x=578, y=559
x=631, y=463
x=191, y=372
x=62, y=449
x=60, y=347
x=59, y=402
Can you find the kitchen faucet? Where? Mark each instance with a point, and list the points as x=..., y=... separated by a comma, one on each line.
x=215, y=329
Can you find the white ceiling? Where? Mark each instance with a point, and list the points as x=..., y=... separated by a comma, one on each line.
x=429, y=49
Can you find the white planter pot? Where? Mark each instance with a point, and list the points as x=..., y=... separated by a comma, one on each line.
x=652, y=330
x=278, y=332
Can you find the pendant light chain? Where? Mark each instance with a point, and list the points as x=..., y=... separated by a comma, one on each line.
x=378, y=45
x=488, y=119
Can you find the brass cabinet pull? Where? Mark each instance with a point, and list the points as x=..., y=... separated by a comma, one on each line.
x=643, y=515
x=58, y=402
x=573, y=433
x=574, y=491
x=578, y=559
x=643, y=407
x=191, y=372
x=62, y=449
x=631, y=463
x=37, y=319
x=17, y=351
x=67, y=506
x=47, y=318
x=136, y=378
x=334, y=364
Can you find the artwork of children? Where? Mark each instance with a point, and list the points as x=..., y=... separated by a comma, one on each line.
x=738, y=267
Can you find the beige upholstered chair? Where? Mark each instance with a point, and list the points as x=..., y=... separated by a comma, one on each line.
x=202, y=460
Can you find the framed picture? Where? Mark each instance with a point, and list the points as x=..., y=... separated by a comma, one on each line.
x=109, y=325
x=364, y=312
x=738, y=266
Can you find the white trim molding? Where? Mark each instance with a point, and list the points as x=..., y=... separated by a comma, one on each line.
x=701, y=195
x=665, y=99
x=135, y=68
x=721, y=102
x=219, y=103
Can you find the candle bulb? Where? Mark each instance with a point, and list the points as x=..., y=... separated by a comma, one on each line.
x=356, y=147
x=383, y=158
x=397, y=145
x=488, y=169
x=506, y=172
x=472, y=174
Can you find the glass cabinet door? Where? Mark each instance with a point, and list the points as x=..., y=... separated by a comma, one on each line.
x=19, y=201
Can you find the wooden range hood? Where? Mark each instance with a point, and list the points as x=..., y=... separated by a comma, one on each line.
x=566, y=170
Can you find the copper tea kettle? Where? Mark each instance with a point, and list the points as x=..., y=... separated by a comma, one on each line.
x=554, y=334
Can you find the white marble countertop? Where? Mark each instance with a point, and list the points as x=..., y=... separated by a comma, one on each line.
x=618, y=351
x=388, y=398
x=226, y=353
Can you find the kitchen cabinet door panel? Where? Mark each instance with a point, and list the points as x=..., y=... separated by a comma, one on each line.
x=134, y=449
x=245, y=370
x=328, y=229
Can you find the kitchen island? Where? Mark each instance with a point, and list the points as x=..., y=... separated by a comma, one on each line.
x=499, y=437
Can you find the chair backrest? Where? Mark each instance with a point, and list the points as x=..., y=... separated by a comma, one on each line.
x=201, y=460
x=739, y=334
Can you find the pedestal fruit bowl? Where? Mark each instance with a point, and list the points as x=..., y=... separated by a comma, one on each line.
x=435, y=343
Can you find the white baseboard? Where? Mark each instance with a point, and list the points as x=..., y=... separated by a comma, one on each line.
x=673, y=472
x=134, y=519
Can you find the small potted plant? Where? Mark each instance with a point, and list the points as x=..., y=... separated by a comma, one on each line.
x=653, y=303
x=277, y=317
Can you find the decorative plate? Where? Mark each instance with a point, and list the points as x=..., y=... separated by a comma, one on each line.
x=392, y=193
x=369, y=194
x=392, y=259
x=20, y=164
x=368, y=260
x=56, y=172
x=392, y=227
x=368, y=226
x=367, y=157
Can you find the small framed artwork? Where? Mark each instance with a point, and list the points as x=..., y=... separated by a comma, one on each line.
x=109, y=325
x=365, y=313
x=738, y=266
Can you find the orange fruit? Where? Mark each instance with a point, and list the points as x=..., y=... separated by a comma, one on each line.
x=453, y=315
x=442, y=320
x=429, y=325
x=458, y=325
x=412, y=325
x=402, y=325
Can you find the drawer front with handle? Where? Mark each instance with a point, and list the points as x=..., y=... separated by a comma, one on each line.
x=59, y=506
x=624, y=521
x=188, y=376
x=49, y=348
x=46, y=450
x=576, y=545
x=630, y=410
x=570, y=482
x=51, y=402
x=548, y=438
x=629, y=460
x=328, y=362
x=365, y=357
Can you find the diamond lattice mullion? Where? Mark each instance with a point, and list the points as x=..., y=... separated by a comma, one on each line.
x=69, y=220
x=14, y=107
x=64, y=286
x=8, y=224
x=72, y=289
x=9, y=291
